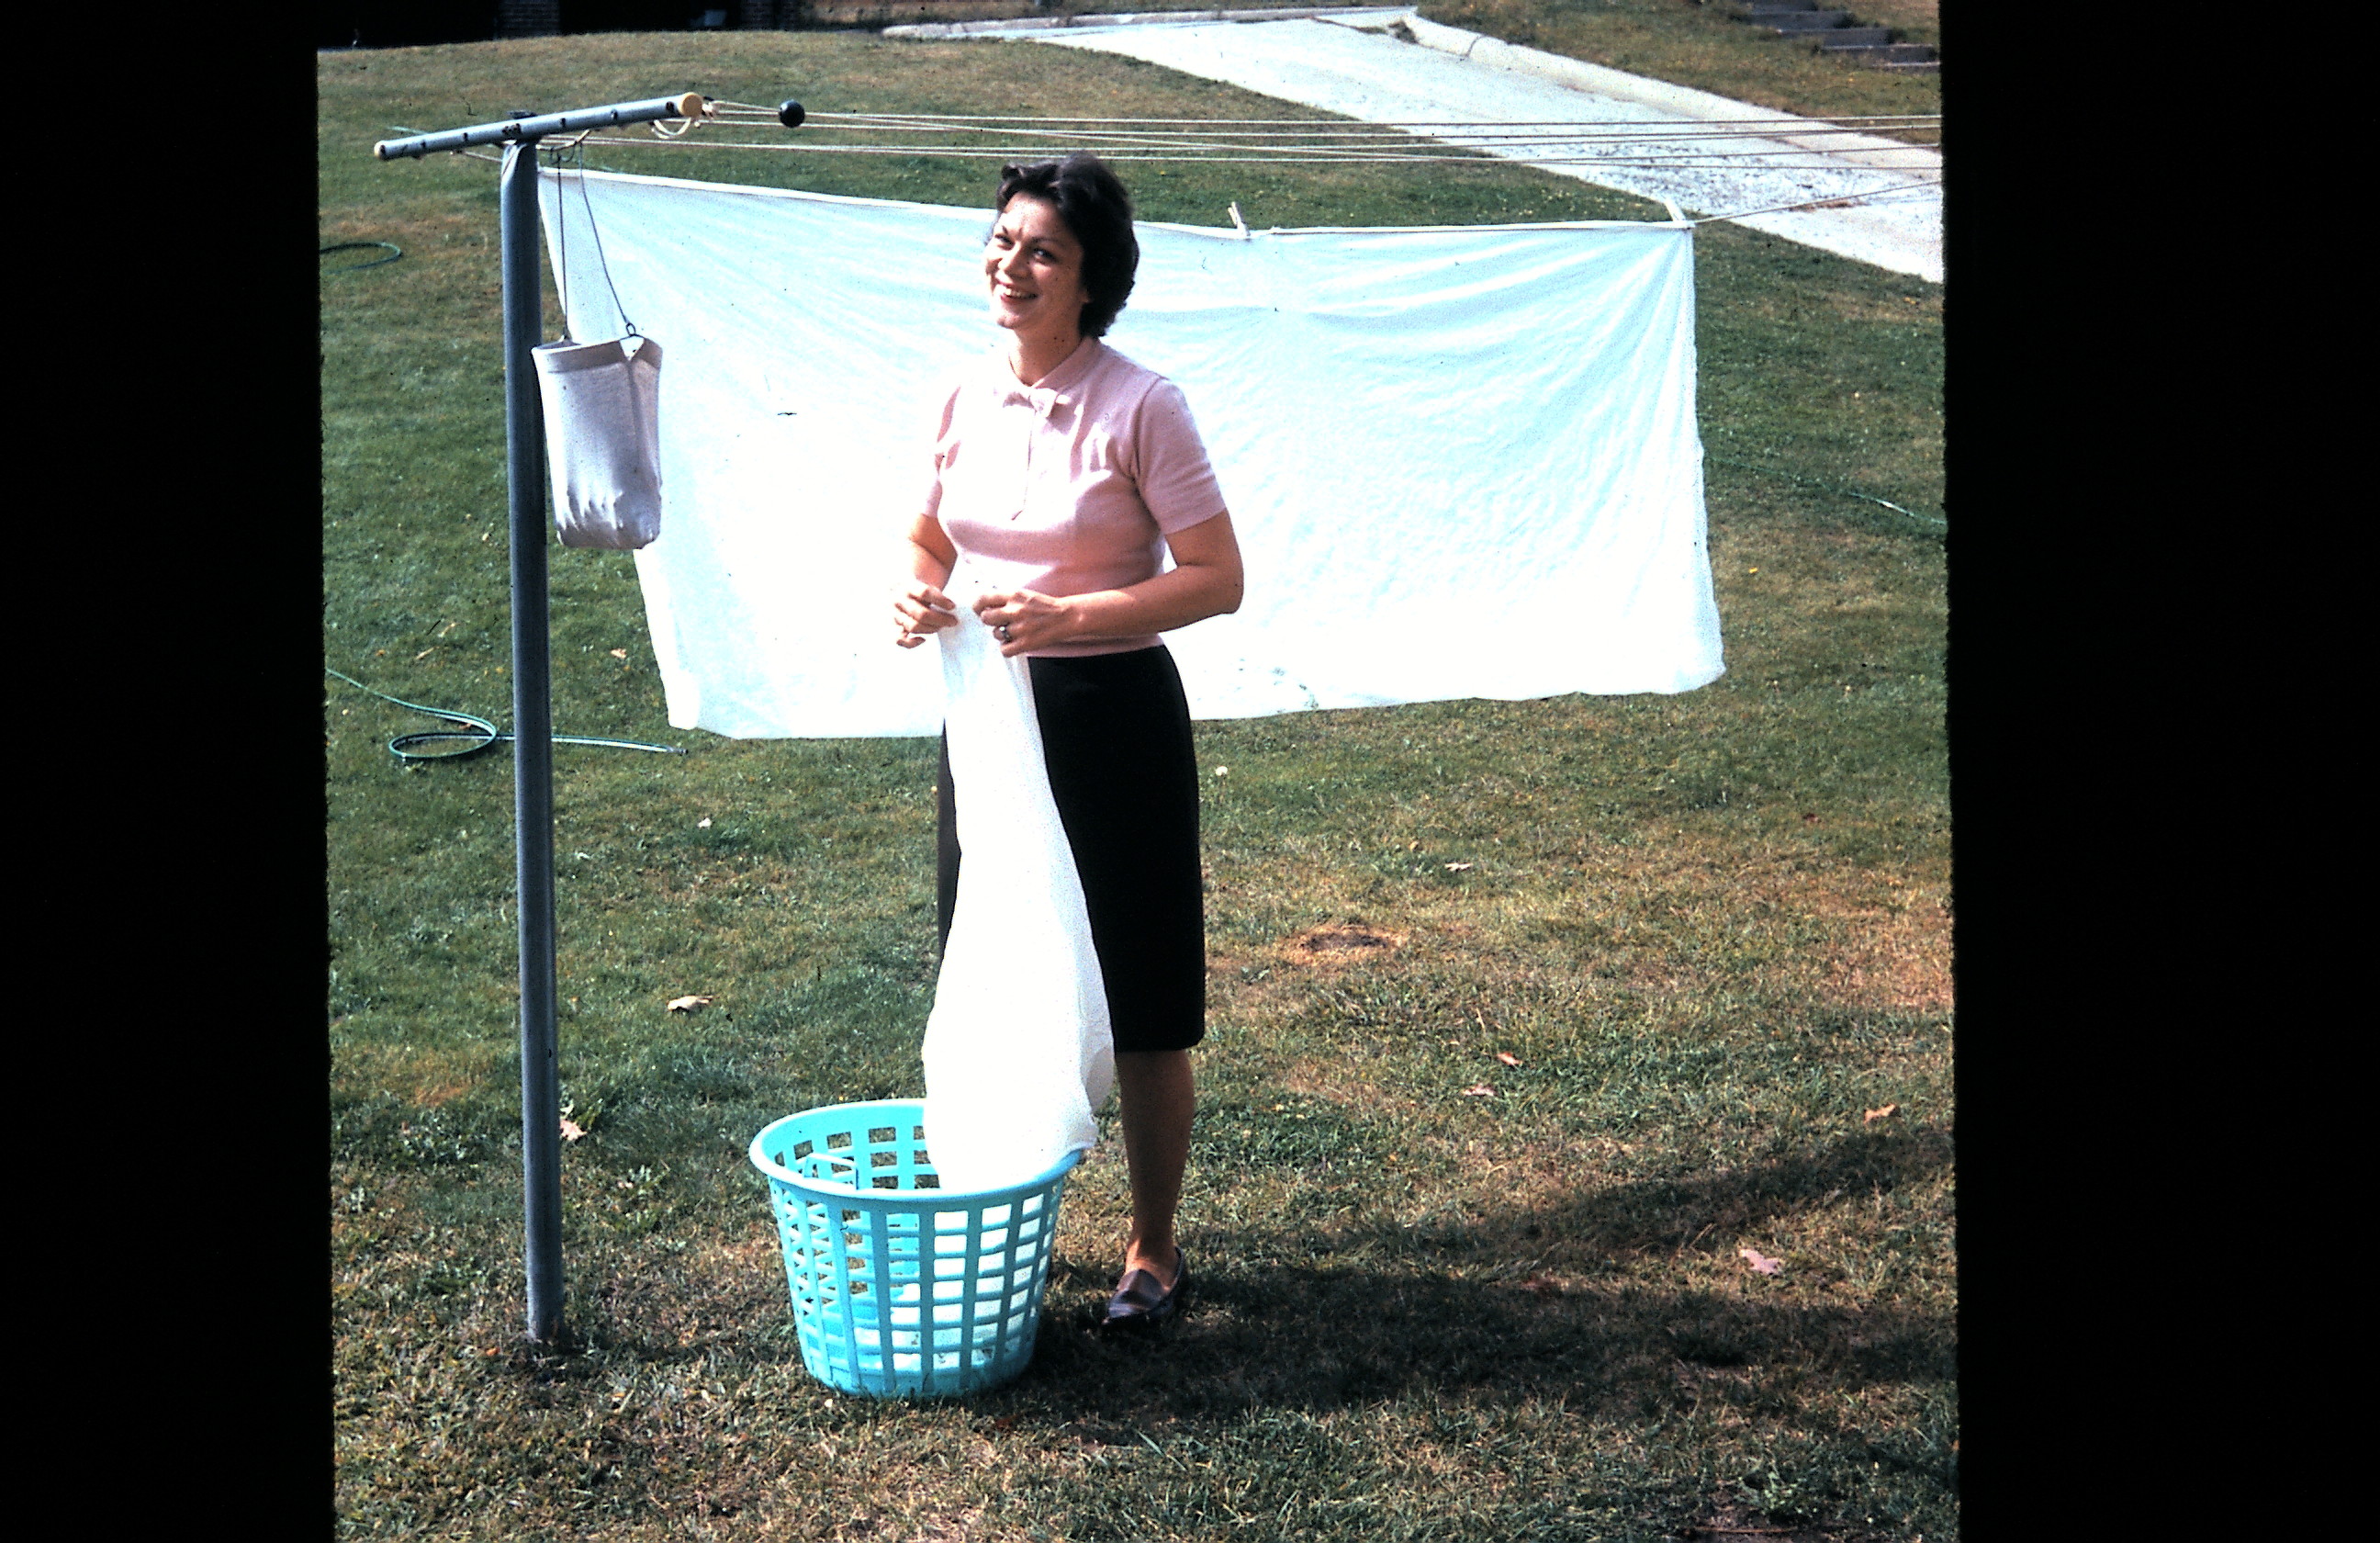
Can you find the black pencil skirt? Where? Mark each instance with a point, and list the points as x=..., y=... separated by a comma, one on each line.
x=1115, y=731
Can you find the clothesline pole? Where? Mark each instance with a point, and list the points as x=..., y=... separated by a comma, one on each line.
x=532, y=744
x=524, y=325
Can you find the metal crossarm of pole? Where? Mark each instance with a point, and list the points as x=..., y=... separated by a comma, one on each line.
x=524, y=326
x=528, y=130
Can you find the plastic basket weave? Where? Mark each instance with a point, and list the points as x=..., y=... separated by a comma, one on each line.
x=901, y=1288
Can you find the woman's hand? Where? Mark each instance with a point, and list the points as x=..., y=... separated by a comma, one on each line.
x=1024, y=619
x=1205, y=581
x=921, y=609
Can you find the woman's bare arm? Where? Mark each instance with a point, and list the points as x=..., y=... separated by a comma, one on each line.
x=919, y=606
x=1205, y=580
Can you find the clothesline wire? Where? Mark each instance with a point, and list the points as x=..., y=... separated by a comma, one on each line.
x=1361, y=134
x=1442, y=154
x=627, y=325
x=1456, y=134
x=1836, y=200
x=1449, y=154
x=562, y=268
x=732, y=108
x=1308, y=142
x=1536, y=126
x=1445, y=134
x=1244, y=129
x=1728, y=142
x=1880, y=196
x=1296, y=142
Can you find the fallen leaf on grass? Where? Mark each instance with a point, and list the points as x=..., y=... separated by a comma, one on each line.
x=687, y=1004
x=1887, y=1112
x=571, y=1130
x=1762, y=1262
x=1479, y=1090
x=1508, y=1058
x=1456, y=867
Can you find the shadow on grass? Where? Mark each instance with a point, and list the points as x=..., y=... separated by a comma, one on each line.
x=1670, y=1213
x=1321, y=1338
x=1315, y=1339
x=1551, y=1301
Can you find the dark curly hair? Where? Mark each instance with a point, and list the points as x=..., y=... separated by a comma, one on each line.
x=1098, y=212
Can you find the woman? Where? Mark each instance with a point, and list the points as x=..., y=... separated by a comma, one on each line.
x=1061, y=467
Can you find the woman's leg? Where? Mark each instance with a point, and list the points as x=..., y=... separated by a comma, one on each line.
x=1115, y=734
x=1158, y=1097
x=946, y=850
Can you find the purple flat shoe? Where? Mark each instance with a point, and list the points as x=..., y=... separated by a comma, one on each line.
x=1140, y=1302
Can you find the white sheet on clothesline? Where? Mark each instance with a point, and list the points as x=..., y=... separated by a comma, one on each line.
x=1462, y=461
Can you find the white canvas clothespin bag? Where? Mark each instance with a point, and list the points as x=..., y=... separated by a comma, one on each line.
x=602, y=440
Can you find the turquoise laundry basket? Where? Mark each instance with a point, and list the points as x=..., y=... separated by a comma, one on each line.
x=902, y=1289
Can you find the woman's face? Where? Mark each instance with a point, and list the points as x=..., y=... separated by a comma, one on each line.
x=1034, y=267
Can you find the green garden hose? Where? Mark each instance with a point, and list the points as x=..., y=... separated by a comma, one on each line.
x=480, y=735
x=1812, y=481
x=396, y=251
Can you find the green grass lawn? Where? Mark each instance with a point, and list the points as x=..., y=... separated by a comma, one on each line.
x=1710, y=47
x=1711, y=932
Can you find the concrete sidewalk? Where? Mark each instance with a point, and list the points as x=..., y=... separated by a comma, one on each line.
x=1889, y=202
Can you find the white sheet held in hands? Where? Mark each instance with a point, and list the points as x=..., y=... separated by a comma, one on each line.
x=1018, y=1051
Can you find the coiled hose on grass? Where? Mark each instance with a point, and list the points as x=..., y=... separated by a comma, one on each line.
x=480, y=736
x=396, y=251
